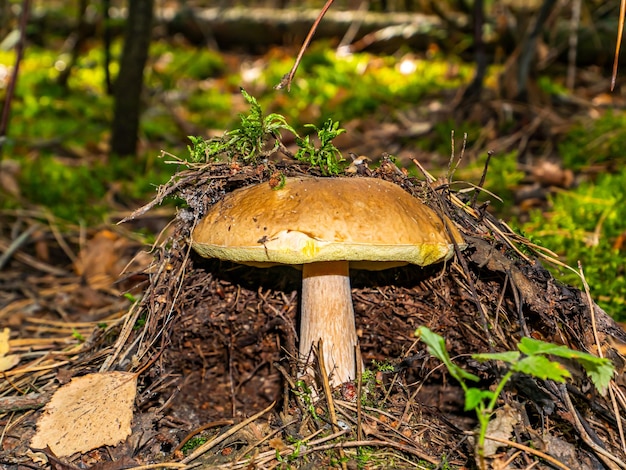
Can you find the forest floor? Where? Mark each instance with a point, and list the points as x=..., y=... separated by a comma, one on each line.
x=213, y=344
x=213, y=348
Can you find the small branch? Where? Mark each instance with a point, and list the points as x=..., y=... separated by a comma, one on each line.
x=594, y=327
x=610, y=460
x=204, y=427
x=483, y=177
x=287, y=79
x=32, y=401
x=329, y=396
x=359, y=395
x=530, y=450
x=209, y=445
x=620, y=31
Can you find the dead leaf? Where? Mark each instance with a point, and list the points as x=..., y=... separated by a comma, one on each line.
x=500, y=426
x=6, y=361
x=123, y=463
x=550, y=173
x=9, y=177
x=91, y=411
x=4, y=341
x=64, y=375
x=100, y=261
x=37, y=457
x=58, y=464
x=562, y=450
x=620, y=241
x=277, y=443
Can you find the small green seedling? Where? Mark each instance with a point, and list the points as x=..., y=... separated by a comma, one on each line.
x=193, y=443
x=327, y=157
x=78, y=335
x=298, y=446
x=530, y=358
x=250, y=141
x=141, y=322
x=304, y=392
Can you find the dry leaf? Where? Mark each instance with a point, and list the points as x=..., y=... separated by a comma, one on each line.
x=37, y=457
x=9, y=177
x=277, y=443
x=91, y=411
x=6, y=361
x=100, y=261
x=552, y=174
x=562, y=450
x=4, y=341
x=501, y=426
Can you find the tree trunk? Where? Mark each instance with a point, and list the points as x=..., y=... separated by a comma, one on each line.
x=129, y=83
x=480, y=54
x=529, y=49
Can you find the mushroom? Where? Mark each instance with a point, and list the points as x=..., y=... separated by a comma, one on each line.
x=326, y=226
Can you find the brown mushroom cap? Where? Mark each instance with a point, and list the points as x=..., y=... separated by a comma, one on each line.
x=308, y=220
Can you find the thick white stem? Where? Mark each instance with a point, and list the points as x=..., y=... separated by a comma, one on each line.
x=327, y=314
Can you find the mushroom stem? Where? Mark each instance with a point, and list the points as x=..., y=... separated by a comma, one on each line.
x=327, y=313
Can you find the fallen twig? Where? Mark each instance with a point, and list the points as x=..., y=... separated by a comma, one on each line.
x=287, y=79
x=32, y=401
x=209, y=445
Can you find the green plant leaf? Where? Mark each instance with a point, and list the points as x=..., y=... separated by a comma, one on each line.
x=600, y=370
x=542, y=368
x=474, y=397
x=509, y=357
x=327, y=157
x=436, y=346
x=530, y=346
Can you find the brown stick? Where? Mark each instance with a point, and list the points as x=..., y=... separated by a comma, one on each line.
x=32, y=401
x=620, y=32
x=287, y=79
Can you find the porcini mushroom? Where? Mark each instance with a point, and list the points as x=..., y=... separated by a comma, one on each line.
x=325, y=225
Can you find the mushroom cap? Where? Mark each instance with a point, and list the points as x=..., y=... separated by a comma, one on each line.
x=324, y=219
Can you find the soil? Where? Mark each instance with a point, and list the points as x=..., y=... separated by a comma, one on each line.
x=215, y=346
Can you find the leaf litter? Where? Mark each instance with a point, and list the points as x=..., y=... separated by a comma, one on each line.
x=91, y=411
x=216, y=347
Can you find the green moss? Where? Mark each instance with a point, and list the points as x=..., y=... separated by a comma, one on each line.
x=186, y=62
x=602, y=141
x=78, y=192
x=586, y=225
x=503, y=176
x=194, y=443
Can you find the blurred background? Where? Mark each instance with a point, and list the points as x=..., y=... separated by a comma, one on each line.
x=93, y=92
